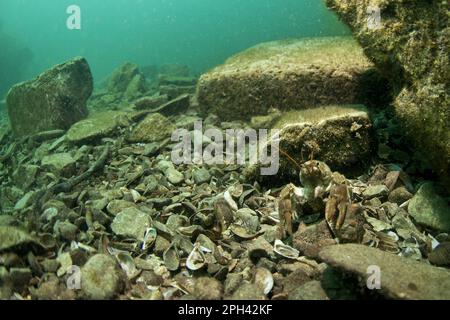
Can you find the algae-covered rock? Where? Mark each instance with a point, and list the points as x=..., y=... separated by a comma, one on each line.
x=155, y=127
x=290, y=74
x=128, y=81
x=131, y=222
x=340, y=136
x=97, y=126
x=401, y=278
x=12, y=239
x=54, y=100
x=101, y=278
x=61, y=164
x=411, y=47
x=429, y=209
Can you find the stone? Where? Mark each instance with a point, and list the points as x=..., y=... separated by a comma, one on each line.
x=429, y=209
x=155, y=127
x=50, y=265
x=173, y=175
x=208, y=289
x=340, y=136
x=248, y=291
x=60, y=164
x=151, y=102
x=173, y=91
x=20, y=277
x=287, y=74
x=401, y=278
x=136, y=88
x=399, y=195
x=417, y=65
x=116, y=206
x=375, y=191
x=311, y=290
x=295, y=279
x=66, y=230
x=25, y=201
x=123, y=77
x=131, y=222
x=101, y=278
x=12, y=238
x=54, y=100
x=309, y=240
x=97, y=126
x=175, y=106
x=24, y=175
x=201, y=176
x=52, y=289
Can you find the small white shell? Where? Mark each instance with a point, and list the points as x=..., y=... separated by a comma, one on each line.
x=196, y=259
x=285, y=250
x=127, y=264
x=263, y=278
x=149, y=238
x=229, y=199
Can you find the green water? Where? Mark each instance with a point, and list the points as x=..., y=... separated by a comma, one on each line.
x=198, y=33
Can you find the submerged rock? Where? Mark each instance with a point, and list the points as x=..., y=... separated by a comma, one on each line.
x=12, y=238
x=155, y=127
x=131, y=222
x=101, y=278
x=340, y=136
x=401, y=278
x=127, y=80
x=289, y=74
x=97, y=126
x=61, y=164
x=410, y=47
x=429, y=209
x=54, y=100
x=311, y=290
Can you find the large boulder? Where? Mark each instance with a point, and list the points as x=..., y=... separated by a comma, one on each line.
x=54, y=100
x=289, y=74
x=400, y=277
x=411, y=47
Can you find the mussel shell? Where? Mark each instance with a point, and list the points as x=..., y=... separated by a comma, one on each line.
x=229, y=199
x=243, y=233
x=285, y=250
x=127, y=264
x=171, y=258
x=149, y=238
x=196, y=259
x=263, y=278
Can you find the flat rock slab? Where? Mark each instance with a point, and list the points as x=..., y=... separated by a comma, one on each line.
x=54, y=100
x=290, y=74
x=97, y=126
x=401, y=278
x=429, y=209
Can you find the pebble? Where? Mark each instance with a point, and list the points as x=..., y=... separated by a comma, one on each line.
x=131, y=222
x=100, y=278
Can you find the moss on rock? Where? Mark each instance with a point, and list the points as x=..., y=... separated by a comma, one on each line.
x=411, y=48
